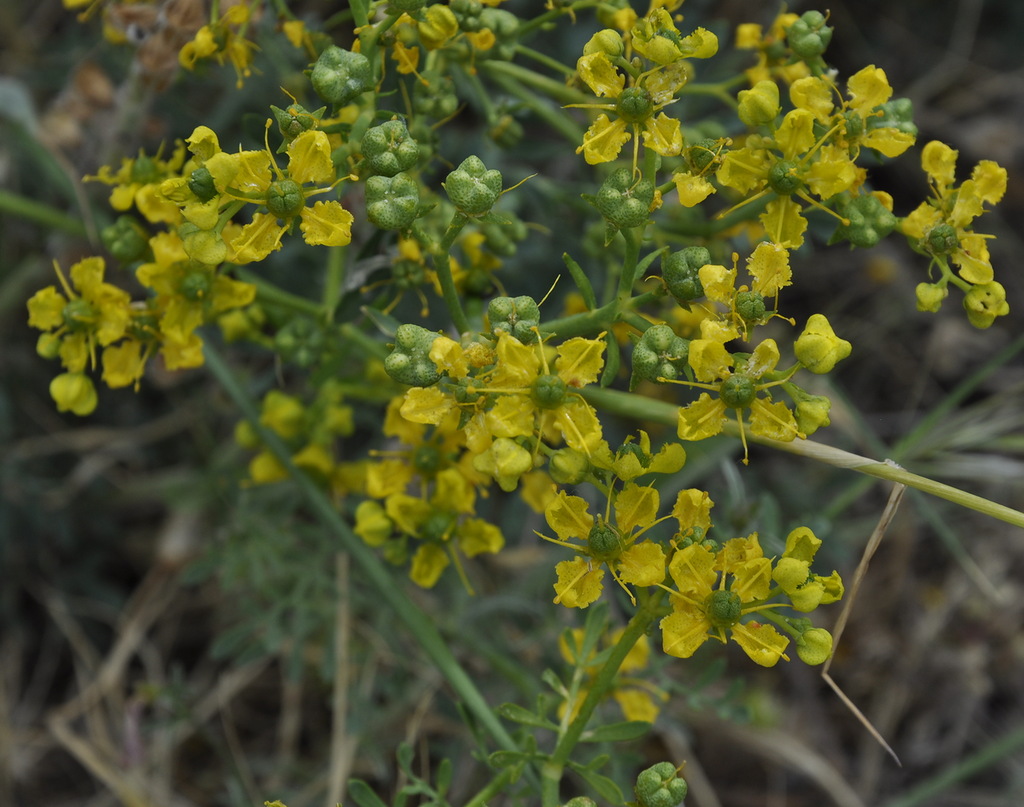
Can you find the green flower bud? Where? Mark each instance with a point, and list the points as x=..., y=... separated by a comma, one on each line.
x=660, y=786
x=870, y=220
x=930, y=296
x=388, y=149
x=759, y=106
x=504, y=25
x=201, y=183
x=196, y=285
x=518, y=316
x=818, y=348
x=659, y=354
x=984, y=303
x=681, y=272
x=285, y=198
x=723, y=608
x=340, y=76
x=941, y=240
x=737, y=391
x=809, y=36
x=604, y=542
x=203, y=246
x=126, y=239
x=702, y=154
x=74, y=392
x=750, y=306
x=505, y=461
x=434, y=96
x=301, y=341
x=409, y=361
x=623, y=202
x=472, y=188
x=392, y=203
x=548, y=391
x=295, y=120
x=502, y=233
x=568, y=466
x=814, y=646
x=634, y=105
x=783, y=178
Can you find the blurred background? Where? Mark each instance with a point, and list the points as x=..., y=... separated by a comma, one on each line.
x=166, y=638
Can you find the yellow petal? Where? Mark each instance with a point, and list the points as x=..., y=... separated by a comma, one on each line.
x=635, y=507
x=568, y=517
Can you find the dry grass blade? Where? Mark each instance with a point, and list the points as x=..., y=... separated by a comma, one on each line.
x=895, y=497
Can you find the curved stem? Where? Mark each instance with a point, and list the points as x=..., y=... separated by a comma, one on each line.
x=640, y=408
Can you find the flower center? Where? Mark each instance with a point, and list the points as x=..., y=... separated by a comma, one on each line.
x=942, y=240
x=603, y=542
x=723, y=608
x=548, y=391
x=782, y=178
x=200, y=182
x=737, y=391
x=78, y=315
x=634, y=105
x=195, y=286
x=285, y=198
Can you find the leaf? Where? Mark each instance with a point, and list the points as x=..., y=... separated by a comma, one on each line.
x=617, y=732
x=613, y=361
x=362, y=795
x=519, y=714
x=582, y=281
x=603, y=786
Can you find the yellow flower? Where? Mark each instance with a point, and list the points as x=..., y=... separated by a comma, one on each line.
x=635, y=108
x=738, y=385
x=224, y=39
x=138, y=182
x=702, y=609
x=254, y=176
x=941, y=226
x=90, y=312
x=602, y=543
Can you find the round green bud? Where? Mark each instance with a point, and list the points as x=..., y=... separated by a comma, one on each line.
x=126, y=239
x=500, y=310
x=388, y=149
x=472, y=188
x=983, y=303
x=437, y=526
x=942, y=240
x=79, y=315
x=634, y=105
x=622, y=202
x=702, y=154
x=660, y=786
x=750, y=306
x=196, y=285
x=809, y=36
x=783, y=179
x=295, y=120
x=434, y=96
x=723, y=608
x=869, y=220
x=285, y=198
x=548, y=391
x=144, y=170
x=895, y=114
x=759, y=106
x=737, y=391
x=603, y=542
x=340, y=76
x=200, y=182
x=409, y=361
x=301, y=341
x=659, y=354
x=427, y=460
x=392, y=203
x=814, y=646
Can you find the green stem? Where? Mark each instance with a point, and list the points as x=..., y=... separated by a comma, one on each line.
x=553, y=117
x=548, y=86
x=376, y=575
x=627, y=275
x=442, y=267
x=334, y=281
x=551, y=771
x=269, y=293
x=544, y=59
x=639, y=407
x=43, y=214
x=492, y=789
